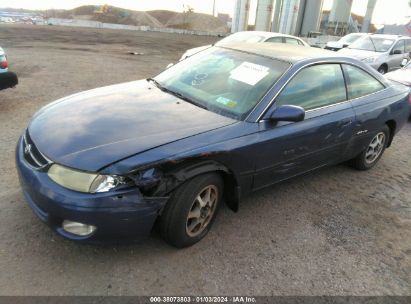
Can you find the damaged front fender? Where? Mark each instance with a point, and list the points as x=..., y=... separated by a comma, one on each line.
x=162, y=180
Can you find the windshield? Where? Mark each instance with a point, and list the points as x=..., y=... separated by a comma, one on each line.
x=350, y=38
x=248, y=37
x=375, y=44
x=224, y=81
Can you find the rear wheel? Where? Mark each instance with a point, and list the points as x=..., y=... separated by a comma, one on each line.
x=191, y=210
x=376, y=147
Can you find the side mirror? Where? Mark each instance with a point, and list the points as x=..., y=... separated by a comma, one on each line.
x=345, y=45
x=169, y=65
x=288, y=113
x=397, y=52
x=404, y=62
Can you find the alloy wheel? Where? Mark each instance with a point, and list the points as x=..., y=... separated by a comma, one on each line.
x=375, y=148
x=202, y=210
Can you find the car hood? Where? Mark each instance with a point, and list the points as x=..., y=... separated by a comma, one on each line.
x=93, y=129
x=402, y=76
x=335, y=44
x=358, y=54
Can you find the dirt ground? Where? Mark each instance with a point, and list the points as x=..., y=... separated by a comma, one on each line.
x=334, y=232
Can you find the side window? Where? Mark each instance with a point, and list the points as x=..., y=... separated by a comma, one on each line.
x=399, y=46
x=360, y=83
x=291, y=41
x=314, y=87
x=275, y=40
x=408, y=46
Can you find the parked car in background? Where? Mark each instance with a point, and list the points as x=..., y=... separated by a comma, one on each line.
x=111, y=162
x=384, y=53
x=250, y=37
x=402, y=75
x=343, y=42
x=4, y=65
x=7, y=79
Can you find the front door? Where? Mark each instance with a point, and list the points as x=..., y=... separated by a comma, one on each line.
x=397, y=55
x=289, y=149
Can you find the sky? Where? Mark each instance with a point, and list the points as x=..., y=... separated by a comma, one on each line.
x=386, y=11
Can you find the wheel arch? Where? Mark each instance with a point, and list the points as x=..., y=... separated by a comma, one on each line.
x=385, y=65
x=188, y=170
x=392, y=126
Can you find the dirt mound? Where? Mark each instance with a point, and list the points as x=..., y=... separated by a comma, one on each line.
x=127, y=17
x=162, y=15
x=196, y=21
x=156, y=19
x=85, y=10
x=110, y=14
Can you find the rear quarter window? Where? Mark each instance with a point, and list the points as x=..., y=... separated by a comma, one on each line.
x=275, y=40
x=360, y=83
x=292, y=41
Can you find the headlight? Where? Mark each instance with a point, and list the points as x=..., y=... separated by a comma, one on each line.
x=370, y=59
x=82, y=181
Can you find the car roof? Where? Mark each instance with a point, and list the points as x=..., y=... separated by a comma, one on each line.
x=389, y=36
x=284, y=52
x=268, y=34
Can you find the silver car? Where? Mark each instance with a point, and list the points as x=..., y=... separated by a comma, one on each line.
x=402, y=75
x=343, y=42
x=384, y=53
x=250, y=37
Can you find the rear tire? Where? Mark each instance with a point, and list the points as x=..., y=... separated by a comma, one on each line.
x=191, y=210
x=375, y=149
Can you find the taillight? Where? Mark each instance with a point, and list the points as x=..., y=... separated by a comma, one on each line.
x=409, y=99
x=4, y=64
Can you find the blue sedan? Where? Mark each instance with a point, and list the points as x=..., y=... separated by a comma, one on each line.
x=112, y=162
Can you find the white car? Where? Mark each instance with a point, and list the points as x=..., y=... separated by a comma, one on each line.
x=385, y=53
x=343, y=42
x=250, y=37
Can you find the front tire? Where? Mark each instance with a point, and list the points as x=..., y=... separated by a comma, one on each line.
x=383, y=69
x=191, y=210
x=375, y=149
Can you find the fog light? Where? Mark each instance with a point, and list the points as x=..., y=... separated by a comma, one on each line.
x=78, y=228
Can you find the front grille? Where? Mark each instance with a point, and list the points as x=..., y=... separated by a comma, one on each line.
x=32, y=155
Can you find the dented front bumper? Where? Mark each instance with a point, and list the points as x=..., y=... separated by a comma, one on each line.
x=116, y=215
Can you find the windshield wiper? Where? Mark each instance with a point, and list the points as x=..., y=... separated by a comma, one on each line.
x=156, y=83
x=177, y=94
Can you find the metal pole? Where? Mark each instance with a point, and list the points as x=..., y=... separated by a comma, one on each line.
x=368, y=16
